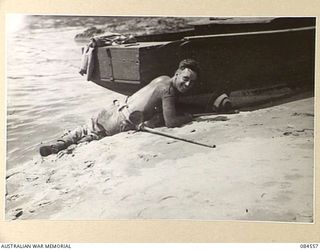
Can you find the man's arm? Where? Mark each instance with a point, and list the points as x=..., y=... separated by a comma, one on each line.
x=171, y=118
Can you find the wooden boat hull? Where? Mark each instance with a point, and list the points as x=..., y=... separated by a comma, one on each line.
x=229, y=62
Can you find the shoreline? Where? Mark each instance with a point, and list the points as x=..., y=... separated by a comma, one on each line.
x=261, y=170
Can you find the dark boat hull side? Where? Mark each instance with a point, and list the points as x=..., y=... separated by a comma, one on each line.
x=256, y=60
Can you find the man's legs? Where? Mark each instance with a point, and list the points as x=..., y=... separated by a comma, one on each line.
x=78, y=135
x=113, y=123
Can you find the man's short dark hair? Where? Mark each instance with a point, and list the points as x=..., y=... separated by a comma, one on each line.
x=190, y=64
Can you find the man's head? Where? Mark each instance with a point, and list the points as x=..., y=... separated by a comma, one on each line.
x=187, y=75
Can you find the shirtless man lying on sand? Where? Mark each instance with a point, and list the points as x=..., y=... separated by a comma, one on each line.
x=154, y=105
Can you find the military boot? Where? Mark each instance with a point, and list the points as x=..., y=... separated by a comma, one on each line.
x=53, y=149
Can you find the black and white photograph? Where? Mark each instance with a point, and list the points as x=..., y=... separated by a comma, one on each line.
x=207, y=118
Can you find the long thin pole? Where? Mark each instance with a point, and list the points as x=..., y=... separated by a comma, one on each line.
x=215, y=113
x=152, y=131
x=204, y=114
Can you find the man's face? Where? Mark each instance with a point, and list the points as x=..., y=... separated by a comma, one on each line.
x=185, y=79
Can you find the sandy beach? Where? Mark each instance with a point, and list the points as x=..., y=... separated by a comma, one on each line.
x=262, y=169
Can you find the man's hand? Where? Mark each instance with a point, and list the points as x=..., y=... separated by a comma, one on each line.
x=140, y=126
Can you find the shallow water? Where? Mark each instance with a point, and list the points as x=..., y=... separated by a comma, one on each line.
x=45, y=92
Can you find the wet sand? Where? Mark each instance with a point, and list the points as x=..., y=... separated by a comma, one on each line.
x=261, y=170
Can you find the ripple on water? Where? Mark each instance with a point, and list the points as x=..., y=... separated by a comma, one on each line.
x=45, y=93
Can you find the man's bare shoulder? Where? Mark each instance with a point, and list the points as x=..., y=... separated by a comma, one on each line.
x=162, y=79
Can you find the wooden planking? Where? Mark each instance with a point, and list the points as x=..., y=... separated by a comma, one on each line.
x=227, y=63
x=125, y=63
x=103, y=66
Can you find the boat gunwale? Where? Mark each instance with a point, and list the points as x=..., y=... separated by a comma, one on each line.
x=188, y=38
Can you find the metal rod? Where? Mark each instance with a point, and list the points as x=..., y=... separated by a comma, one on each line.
x=215, y=113
x=204, y=114
x=152, y=131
